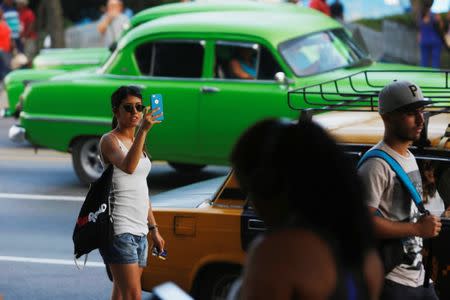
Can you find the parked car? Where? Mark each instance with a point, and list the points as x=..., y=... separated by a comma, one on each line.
x=51, y=62
x=208, y=226
x=187, y=59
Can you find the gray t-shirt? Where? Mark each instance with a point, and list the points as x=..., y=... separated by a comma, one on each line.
x=387, y=194
x=114, y=29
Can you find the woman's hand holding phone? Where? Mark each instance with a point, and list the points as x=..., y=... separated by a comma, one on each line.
x=150, y=118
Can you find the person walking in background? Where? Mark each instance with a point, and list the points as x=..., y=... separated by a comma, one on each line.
x=393, y=211
x=131, y=210
x=431, y=198
x=112, y=23
x=320, y=5
x=5, y=46
x=319, y=243
x=430, y=40
x=12, y=19
x=337, y=10
x=28, y=34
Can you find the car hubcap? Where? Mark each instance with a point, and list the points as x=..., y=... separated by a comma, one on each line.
x=90, y=159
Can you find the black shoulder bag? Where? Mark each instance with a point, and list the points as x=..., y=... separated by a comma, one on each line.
x=93, y=228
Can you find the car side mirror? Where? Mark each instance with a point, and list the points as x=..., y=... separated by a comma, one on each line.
x=281, y=78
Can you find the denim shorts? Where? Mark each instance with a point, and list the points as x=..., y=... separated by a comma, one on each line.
x=126, y=248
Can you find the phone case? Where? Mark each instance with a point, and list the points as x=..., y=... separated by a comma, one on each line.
x=156, y=101
x=162, y=255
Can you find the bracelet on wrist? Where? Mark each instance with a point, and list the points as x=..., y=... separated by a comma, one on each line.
x=152, y=227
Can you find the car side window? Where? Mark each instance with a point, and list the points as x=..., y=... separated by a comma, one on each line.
x=247, y=61
x=182, y=59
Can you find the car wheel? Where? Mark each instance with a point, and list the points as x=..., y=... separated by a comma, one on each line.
x=186, y=168
x=86, y=159
x=215, y=283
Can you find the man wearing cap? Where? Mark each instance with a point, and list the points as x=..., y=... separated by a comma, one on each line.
x=395, y=216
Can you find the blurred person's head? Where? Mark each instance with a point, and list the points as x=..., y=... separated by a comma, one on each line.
x=21, y=3
x=427, y=172
x=295, y=174
x=426, y=7
x=114, y=7
x=9, y=3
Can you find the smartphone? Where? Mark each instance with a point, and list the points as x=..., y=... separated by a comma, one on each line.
x=162, y=255
x=156, y=101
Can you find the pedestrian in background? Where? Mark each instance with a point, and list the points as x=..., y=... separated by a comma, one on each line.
x=430, y=36
x=5, y=46
x=393, y=211
x=337, y=10
x=319, y=243
x=112, y=23
x=320, y=5
x=12, y=18
x=131, y=209
x=28, y=33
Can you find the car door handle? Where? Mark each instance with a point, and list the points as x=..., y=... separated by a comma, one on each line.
x=209, y=89
x=255, y=224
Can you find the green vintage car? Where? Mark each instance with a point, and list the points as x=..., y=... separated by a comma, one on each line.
x=51, y=62
x=187, y=59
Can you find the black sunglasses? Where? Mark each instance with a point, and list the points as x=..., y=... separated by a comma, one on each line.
x=129, y=107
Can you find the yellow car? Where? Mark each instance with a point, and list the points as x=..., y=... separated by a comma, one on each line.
x=207, y=228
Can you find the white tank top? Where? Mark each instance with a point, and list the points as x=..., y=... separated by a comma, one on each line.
x=130, y=197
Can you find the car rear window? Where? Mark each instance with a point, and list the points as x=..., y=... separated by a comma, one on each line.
x=182, y=59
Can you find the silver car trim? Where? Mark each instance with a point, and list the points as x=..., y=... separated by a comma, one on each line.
x=69, y=62
x=16, y=134
x=65, y=120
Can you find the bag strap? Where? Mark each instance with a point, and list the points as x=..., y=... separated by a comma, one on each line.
x=397, y=168
x=76, y=262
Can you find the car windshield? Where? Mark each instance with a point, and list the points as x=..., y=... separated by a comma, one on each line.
x=321, y=52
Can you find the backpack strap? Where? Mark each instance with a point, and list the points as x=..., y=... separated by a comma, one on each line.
x=397, y=168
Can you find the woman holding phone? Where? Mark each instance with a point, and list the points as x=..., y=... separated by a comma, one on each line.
x=132, y=213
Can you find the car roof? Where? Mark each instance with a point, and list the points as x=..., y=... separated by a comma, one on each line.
x=274, y=26
x=190, y=7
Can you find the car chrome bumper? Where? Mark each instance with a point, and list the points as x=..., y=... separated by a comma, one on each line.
x=16, y=134
x=5, y=112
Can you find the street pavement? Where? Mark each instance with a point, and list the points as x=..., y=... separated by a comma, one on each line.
x=40, y=197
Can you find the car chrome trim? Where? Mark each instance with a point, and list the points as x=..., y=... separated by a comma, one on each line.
x=65, y=120
x=68, y=62
x=16, y=134
x=5, y=112
x=221, y=205
x=209, y=89
x=255, y=224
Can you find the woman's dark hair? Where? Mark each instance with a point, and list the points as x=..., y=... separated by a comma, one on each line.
x=298, y=173
x=426, y=7
x=429, y=187
x=121, y=94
